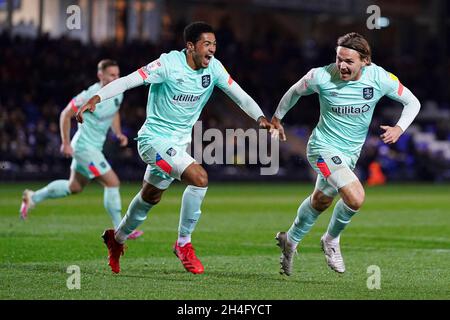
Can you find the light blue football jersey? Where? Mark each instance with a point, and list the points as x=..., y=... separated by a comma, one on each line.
x=178, y=94
x=91, y=134
x=346, y=107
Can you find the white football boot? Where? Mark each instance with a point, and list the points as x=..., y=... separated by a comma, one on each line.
x=333, y=255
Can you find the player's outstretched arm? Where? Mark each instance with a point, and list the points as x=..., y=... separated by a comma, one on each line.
x=302, y=88
x=247, y=104
x=288, y=100
x=111, y=90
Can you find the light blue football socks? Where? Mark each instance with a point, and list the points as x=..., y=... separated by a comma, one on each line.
x=54, y=190
x=190, y=212
x=136, y=215
x=342, y=215
x=113, y=204
x=60, y=189
x=306, y=217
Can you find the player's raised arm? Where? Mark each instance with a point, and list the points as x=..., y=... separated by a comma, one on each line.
x=303, y=87
x=411, y=107
x=112, y=89
x=247, y=104
x=154, y=72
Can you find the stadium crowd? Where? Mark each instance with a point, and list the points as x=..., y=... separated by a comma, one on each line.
x=39, y=76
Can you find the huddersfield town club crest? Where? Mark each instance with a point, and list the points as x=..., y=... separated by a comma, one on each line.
x=171, y=152
x=368, y=93
x=206, y=80
x=336, y=160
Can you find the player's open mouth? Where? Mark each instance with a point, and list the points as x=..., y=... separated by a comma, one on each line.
x=208, y=58
x=345, y=73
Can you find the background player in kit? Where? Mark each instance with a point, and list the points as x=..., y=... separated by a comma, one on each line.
x=86, y=149
x=181, y=84
x=348, y=91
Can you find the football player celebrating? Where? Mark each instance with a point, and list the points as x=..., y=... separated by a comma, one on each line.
x=181, y=83
x=348, y=91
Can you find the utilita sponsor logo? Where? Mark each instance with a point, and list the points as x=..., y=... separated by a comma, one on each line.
x=350, y=110
x=186, y=98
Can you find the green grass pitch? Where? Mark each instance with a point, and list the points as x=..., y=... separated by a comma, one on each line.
x=402, y=229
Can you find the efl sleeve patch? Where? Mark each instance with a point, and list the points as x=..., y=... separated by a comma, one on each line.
x=152, y=67
x=153, y=72
x=142, y=73
x=79, y=101
x=230, y=80
x=73, y=105
x=400, y=86
x=308, y=82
